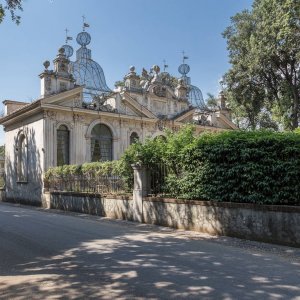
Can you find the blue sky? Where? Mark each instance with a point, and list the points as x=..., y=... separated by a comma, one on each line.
x=124, y=33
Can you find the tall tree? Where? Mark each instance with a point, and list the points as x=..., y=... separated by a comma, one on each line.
x=211, y=101
x=11, y=6
x=264, y=52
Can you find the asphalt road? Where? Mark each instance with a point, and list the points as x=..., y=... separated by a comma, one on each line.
x=52, y=255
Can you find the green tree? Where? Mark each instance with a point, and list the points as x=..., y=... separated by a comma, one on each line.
x=119, y=83
x=11, y=6
x=264, y=53
x=211, y=101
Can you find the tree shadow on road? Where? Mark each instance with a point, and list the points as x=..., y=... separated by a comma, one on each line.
x=104, y=259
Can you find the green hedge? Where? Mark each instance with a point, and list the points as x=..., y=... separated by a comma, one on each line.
x=237, y=166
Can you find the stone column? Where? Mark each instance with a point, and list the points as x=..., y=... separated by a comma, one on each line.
x=46, y=199
x=140, y=190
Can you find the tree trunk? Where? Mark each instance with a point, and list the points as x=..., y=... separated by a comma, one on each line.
x=295, y=110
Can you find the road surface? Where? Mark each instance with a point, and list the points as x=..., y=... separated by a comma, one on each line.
x=53, y=255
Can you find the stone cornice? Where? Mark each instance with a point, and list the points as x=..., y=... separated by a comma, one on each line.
x=7, y=101
x=30, y=109
x=62, y=95
x=90, y=112
x=21, y=113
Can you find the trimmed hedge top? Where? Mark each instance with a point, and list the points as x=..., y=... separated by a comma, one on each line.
x=89, y=169
x=237, y=166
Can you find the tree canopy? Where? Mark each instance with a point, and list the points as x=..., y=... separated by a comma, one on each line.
x=263, y=83
x=11, y=6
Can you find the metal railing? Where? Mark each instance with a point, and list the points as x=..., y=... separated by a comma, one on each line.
x=107, y=184
x=158, y=175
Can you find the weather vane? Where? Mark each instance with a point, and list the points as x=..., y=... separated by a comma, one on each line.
x=68, y=38
x=85, y=25
x=165, y=65
x=184, y=57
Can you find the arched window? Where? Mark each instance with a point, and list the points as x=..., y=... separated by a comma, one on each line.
x=63, y=145
x=22, y=159
x=101, y=143
x=134, y=138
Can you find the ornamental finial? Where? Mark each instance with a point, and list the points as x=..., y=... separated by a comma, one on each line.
x=184, y=57
x=84, y=24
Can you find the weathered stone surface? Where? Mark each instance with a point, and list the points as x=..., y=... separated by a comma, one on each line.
x=112, y=207
x=275, y=224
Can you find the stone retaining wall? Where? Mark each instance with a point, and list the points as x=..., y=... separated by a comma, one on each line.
x=266, y=223
x=274, y=224
x=116, y=207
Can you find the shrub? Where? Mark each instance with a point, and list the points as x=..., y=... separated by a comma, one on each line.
x=155, y=152
x=93, y=169
x=238, y=166
x=90, y=171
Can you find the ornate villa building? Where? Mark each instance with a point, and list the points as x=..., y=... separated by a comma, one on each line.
x=78, y=118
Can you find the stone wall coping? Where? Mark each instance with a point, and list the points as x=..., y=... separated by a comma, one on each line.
x=83, y=194
x=262, y=207
x=118, y=197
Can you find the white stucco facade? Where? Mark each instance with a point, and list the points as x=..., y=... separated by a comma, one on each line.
x=145, y=106
x=17, y=188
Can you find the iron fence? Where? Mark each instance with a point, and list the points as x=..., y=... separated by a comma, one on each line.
x=158, y=180
x=107, y=184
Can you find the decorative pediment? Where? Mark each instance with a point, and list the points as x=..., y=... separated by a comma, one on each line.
x=136, y=107
x=185, y=116
x=71, y=98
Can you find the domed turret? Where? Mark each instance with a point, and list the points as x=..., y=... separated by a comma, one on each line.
x=195, y=96
x=86, y=71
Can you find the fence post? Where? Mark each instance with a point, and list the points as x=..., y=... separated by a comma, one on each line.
x=140, y=190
